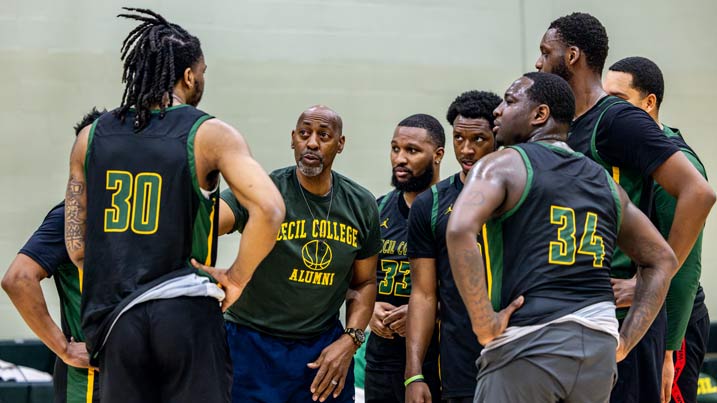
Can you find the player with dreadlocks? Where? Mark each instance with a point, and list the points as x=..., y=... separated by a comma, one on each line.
x=141, y=203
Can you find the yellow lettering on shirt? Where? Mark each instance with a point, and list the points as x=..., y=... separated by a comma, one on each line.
x=335, y=231
x=311, y=277
x=291, y=230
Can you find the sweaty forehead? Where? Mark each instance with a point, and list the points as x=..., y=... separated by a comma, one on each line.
x=519, y=86
x=322, y=117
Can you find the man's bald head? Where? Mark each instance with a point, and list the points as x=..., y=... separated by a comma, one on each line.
x=326, y=112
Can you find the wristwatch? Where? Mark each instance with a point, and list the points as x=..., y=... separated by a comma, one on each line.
x=356, y=334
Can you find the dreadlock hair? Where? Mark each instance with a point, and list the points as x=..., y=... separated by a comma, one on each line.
x=88, y=119
x=155, y=53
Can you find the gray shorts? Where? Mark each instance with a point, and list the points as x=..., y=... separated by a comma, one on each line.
x=564, y=362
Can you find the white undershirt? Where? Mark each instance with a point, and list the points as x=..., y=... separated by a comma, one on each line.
x=600, y=317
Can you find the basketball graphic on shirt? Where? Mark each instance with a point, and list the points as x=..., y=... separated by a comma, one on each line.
x=316, y=255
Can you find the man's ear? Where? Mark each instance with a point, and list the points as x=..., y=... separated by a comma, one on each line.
x=342, y=141
x=573, y=55
x=292, y=139
x=438, y=155
x=188, y=78
x=541, y=115
x=649, y=103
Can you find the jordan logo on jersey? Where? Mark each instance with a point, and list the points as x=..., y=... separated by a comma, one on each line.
x=448, y=210
x=384, y=224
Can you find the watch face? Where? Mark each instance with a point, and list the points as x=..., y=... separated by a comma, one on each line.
x=360, y=336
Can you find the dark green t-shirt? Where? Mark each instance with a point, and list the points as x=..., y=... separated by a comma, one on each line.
x=683, y=288
x=297, y=290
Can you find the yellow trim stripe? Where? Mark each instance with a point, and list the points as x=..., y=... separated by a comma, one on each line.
x=616, y=174
x=80, y=274
x=90, y=384
x=488, y=272
x=208, y=260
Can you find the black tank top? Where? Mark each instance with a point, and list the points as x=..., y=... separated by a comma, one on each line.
x=146, y=215
x=555, y=246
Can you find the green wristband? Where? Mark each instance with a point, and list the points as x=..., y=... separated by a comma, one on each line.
x=414, y=378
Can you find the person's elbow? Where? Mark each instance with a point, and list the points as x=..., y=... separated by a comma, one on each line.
x=456, y=230
x=13, y=280
x=272, y=212
x=701, y=192
x=9, y=281
x=667, y=259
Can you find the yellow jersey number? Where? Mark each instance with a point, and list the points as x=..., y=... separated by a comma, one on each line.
x=135, y=202
x=563, y=250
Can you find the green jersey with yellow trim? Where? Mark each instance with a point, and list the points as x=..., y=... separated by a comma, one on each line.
x=298, y=289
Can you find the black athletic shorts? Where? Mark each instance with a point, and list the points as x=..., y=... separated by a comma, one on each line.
x=688, y=360
x=167, y=350
x=639, y=375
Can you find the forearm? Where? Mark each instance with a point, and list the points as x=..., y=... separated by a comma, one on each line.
x=691, y=211
x=27, y=297
x=420, y=326
x=359, y=304
x=257, y=241
x=650, y=291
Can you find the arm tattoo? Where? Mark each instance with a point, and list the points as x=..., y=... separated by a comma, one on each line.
x=468, y=272
x=75, y=216
x=650, y=291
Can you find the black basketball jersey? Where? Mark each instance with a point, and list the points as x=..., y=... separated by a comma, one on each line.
x=146, y=214
x=626, y=142
x=555, y=246
x=458, y=346
x=393, y=283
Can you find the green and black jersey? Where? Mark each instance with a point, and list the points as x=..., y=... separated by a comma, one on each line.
x=458, y=346
x=146, y=214
x=555, y=246
x=681, y=301
x=393, y=279
x=627, y=142
x=298, y=289
x=47, y=248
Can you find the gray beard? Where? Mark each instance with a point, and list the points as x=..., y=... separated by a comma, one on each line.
x=310, y=171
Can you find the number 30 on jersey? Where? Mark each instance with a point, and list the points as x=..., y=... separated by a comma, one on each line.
x=135, y=202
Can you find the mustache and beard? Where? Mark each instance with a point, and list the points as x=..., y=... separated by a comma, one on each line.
x=414, y=183
x=562, y=71
x=308, y=170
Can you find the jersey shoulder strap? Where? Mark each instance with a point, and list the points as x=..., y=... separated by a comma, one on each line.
x=385, y=200
x=605, y=104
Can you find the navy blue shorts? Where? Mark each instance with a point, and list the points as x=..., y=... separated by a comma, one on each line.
x=271, y=369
